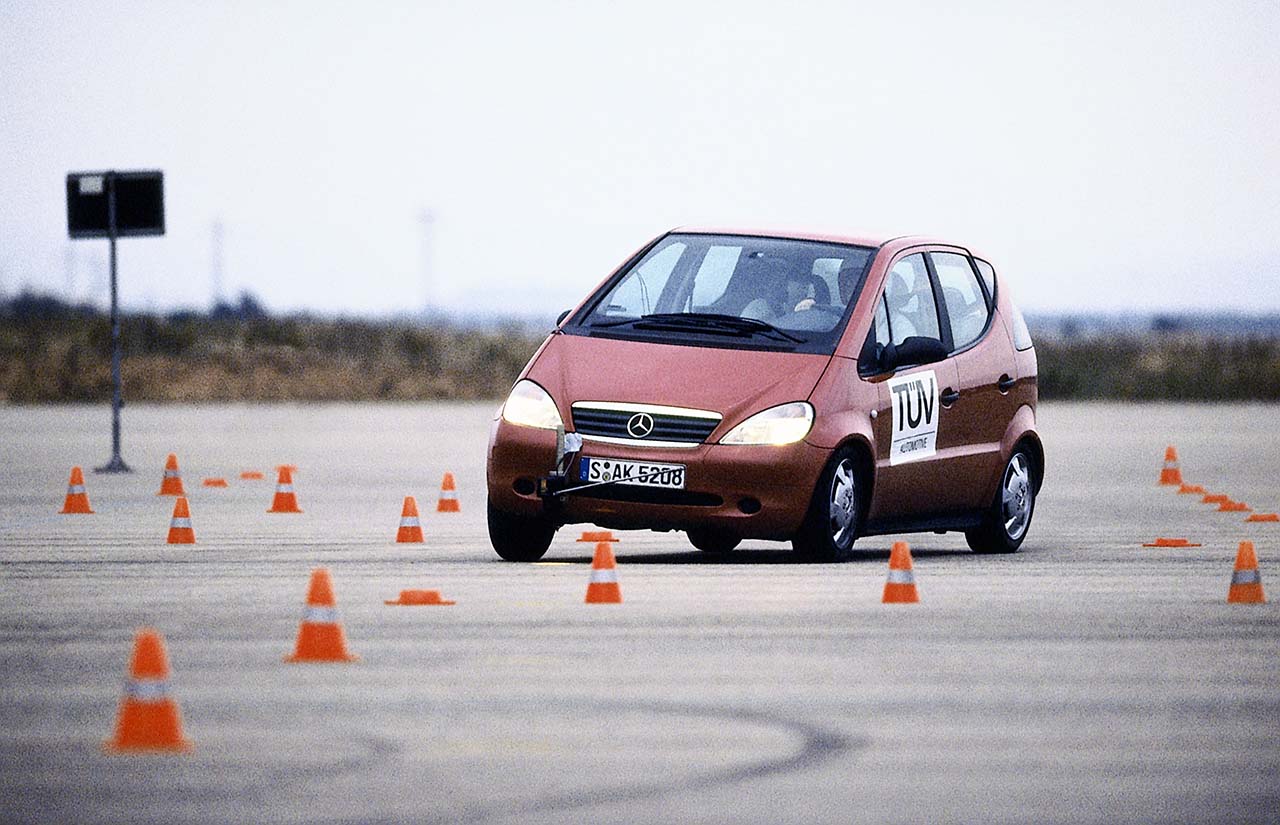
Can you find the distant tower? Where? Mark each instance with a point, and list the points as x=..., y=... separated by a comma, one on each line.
x=428, y=219
x=215, y=262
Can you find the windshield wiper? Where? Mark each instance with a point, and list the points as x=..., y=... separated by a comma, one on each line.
x=714, y=323
x=707, y=322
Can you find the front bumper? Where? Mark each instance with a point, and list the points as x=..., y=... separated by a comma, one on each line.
x=751, y=492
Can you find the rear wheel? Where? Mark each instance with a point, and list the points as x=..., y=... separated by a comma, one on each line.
x=1009, y=518
x=835, y=514
x=519, y=538
x=713, y=542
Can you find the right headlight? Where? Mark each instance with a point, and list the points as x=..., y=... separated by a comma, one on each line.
x=784, y=424
x=529, y=405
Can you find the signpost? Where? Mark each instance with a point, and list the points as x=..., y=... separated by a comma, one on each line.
x=110, y=205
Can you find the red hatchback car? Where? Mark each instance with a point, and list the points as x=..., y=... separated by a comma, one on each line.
x=768, y=385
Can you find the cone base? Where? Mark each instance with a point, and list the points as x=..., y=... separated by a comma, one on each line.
x=171, y=490
x=900, y=594
x=420, y=598
x=320, y=660
x=603, y=593
x=448, y=507
x=68, y=510
x=148, y=727
x=320, y=643
x=1246, y=594
x=285, y=503
x=1268, y=517
x=409, y=535
x=182, y=535
x=1170, y=478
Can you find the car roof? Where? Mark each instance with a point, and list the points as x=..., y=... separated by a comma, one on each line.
x=872, y=240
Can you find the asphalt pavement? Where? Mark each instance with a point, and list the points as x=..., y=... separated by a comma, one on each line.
x=1085, y=679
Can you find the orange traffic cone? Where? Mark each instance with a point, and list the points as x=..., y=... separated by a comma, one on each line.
x=77, y=500
x=900, y=587
x=1191, y=488
x=1163, y=542
x=596, y=536
x=1171, y=474
x=1215, y=498
x=603, y=587
x=1233, y=507
x=149, y=719
x=420, y=597
x=320, y=636
x=448, y=502
x=410, y=531
x=252, y=475
x=214, y=482
x=1246, y=581
x=285, y=501
x=171, y=484
x=180, y=531
x=1263, y=517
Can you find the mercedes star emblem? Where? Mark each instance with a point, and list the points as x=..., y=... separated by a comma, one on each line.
x=640, y=425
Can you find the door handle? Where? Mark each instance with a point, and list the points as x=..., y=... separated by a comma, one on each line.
x=949, y=397
x=1005, y=383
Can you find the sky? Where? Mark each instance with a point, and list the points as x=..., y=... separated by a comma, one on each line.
x=503, y=157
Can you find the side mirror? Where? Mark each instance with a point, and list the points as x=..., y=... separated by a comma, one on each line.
x=560, y=318
x=912, y=352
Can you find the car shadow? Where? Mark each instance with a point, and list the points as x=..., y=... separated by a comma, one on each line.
x=752, y=556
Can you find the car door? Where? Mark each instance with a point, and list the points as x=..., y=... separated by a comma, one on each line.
x=915, y=425
x=983, y=356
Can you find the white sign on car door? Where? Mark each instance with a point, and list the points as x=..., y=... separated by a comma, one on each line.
x=914, y=399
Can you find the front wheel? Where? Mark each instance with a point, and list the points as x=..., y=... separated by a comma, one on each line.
x=1009, y=518
x=835, y=513
x=519, y=538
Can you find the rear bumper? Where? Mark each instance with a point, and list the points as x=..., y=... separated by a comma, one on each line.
x=750, y=492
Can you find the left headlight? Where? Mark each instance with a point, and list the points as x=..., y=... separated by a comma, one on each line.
x=784, y=424
x=531, y=406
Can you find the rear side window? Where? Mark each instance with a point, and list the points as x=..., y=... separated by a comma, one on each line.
x=967, y=310
x=988, y=273
x=908, y=297
x=1021, y=335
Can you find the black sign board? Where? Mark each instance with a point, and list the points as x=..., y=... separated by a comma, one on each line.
x=134, y=199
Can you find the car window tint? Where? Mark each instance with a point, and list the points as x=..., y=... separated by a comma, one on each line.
x=638, y=293
x=967, y=310
x=713, y=276
x=909, y=299
x=988, y=273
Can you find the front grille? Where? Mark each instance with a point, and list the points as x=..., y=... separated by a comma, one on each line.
x=669, y=424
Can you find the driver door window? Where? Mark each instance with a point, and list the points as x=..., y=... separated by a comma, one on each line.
x=908, y=298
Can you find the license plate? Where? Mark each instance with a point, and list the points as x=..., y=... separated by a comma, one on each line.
x=637, y=473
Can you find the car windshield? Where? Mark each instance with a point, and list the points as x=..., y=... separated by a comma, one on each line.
x=732, y=291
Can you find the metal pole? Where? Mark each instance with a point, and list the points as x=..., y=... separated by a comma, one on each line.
x=116, y=464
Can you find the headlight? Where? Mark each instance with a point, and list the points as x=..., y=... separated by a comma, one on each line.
x=530, y=406
x=784, y=424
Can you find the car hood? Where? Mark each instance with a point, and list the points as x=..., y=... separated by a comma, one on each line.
x=735, y=383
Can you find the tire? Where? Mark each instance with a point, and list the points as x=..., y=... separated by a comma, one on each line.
x=1009, y=517
x=713, y=542
x=519, y=538
x=835, y=514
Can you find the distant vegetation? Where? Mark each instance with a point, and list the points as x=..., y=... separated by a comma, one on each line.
x=55, y=352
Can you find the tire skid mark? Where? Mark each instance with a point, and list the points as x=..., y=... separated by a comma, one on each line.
x=817, y=745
